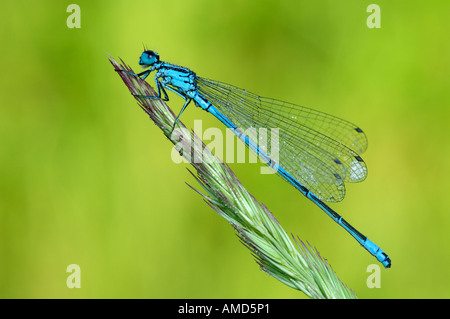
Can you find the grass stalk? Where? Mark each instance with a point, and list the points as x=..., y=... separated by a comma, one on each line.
x=287, y=258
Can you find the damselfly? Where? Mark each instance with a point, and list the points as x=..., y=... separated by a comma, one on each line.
x=317, y=152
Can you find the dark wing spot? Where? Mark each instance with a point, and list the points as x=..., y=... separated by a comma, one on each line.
x=337, y=161
x=358, y=130
x=359, y=159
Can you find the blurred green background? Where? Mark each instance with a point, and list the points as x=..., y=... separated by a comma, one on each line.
x=87, y=179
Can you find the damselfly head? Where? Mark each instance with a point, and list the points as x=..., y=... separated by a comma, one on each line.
x=148, y=58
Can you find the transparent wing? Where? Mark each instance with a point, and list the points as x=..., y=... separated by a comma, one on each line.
x=319, y=150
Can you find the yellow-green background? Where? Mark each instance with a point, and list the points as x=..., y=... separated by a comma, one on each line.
x=86, y=178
